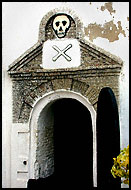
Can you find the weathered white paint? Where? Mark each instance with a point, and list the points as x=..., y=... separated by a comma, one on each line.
x=19, y=154
x=20, y=25
x=71, y=59
x=38, y=107
x=6, y=130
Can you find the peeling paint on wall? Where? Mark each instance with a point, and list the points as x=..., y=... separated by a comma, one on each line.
x=109, y=7
x=109, y=31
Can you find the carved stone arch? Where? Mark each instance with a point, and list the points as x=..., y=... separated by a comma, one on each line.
x=40, y=107
x=49, y=15
x=75, y=85
x=87, y=90
x=92, y=95
x=79, y=86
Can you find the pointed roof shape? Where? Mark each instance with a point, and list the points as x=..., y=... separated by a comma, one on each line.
x=92, y=57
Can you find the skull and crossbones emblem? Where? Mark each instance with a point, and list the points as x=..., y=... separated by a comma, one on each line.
x=61, y=24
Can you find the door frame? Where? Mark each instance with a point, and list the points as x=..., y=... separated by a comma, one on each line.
x=40, y=104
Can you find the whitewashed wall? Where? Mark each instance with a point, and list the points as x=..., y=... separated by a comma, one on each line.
x=20, y=27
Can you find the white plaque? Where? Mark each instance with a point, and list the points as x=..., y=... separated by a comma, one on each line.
x=61, y=53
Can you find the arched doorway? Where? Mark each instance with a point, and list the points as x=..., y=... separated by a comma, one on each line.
x=84, y=135
x=108, y=138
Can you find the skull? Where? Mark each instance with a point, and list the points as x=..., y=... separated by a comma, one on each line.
x=61, y=25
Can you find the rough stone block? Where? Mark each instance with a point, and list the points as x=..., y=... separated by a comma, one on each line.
x=79, y=86
x=62, y=84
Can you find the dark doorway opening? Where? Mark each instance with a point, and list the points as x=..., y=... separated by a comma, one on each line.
x=108, y=138
x=73, y=147
x=73, y=142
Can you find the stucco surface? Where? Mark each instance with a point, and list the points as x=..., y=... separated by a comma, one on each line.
x=106, y=25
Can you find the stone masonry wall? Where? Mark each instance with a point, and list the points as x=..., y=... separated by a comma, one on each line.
x=26, y=92
x=98, y=69
x=45, y=143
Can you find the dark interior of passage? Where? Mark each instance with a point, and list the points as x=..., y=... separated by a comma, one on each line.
x=73, y=142
x=73, y=147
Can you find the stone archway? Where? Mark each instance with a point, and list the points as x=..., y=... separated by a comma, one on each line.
x=43, y=109
x=35, y=87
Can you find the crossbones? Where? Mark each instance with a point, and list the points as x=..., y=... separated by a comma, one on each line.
x=61, y=52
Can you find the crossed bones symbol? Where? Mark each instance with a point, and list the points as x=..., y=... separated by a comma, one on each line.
x=61, y=52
